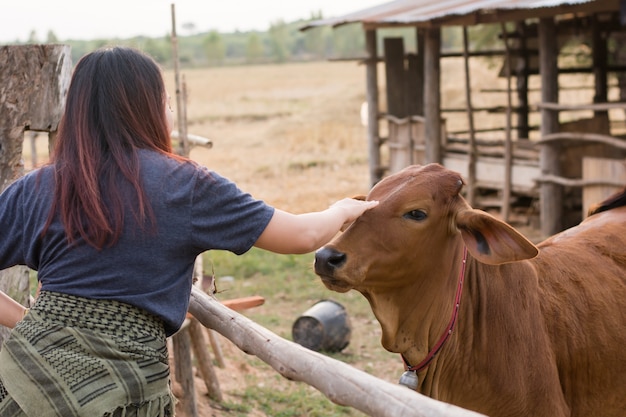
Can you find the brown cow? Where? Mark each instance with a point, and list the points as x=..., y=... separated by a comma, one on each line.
x=538, y=331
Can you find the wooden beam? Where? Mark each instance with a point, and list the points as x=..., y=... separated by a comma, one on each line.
x=432, y=95
x=521, y=75
x=508, y=146
x=551, y=195
x=180, y=91
x=338, y=381
x=577, y=182
x=599, y=55
x=203, y=360
x=183, y=371
x=471, y=164
x=395, y=75
x=373, y=134
x=244, y=303
x=420, y=34
x=583, y=138
x=552, y=105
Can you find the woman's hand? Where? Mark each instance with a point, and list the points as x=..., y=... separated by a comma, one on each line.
x=304, y=233
x=352, y=208
x=10, y=311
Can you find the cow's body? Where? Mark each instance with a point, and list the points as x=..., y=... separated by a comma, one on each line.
x=538, y=332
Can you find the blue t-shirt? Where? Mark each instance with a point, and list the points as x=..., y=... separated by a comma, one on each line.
x=195, y=210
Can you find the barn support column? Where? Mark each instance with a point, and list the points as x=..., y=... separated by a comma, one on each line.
x=396, y=78
x=508, y=144
x=419, y=71
x=373, y=133
x=414, y=83
x=521, y=75
x=551, y=194
x=471, y=154
x=400, y=140
x=599, y=53
x=432, y=94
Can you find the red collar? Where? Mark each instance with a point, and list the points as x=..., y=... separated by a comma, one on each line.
x=448, y=331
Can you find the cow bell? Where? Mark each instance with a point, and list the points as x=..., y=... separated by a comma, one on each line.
x=409, y=379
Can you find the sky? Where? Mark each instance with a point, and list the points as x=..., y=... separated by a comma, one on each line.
x=91, y=19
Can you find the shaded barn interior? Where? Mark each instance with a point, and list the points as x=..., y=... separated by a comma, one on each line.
x=552, y=144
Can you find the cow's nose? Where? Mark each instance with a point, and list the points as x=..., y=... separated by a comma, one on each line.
x=327, y=260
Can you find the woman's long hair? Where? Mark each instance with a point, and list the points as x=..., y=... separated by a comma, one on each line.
x=115, y=106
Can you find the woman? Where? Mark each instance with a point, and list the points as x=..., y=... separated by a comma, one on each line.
x=113, y=226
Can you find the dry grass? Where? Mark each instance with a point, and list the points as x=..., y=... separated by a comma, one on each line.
x=288, y=134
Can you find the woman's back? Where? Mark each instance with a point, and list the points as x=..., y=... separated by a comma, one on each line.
x=151, y=265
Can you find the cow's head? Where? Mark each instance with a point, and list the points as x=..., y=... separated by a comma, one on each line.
x=416, y=231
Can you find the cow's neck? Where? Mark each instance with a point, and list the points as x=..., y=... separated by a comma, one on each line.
x=499, y=313
x=447, y=332
x=414, y=317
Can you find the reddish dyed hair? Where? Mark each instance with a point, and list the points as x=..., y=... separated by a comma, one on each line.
x=115, y=106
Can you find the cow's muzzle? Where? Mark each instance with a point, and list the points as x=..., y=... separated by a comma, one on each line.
x=328, y=260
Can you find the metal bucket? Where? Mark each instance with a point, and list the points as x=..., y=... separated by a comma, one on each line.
x=323, y=327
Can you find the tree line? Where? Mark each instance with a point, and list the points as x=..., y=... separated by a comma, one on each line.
x=282, y=42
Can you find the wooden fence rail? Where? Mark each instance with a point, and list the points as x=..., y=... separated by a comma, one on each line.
x=339, y=382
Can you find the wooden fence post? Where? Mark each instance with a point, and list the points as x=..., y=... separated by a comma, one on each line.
x=200, y=350
x=33, y=84
x=183, y=371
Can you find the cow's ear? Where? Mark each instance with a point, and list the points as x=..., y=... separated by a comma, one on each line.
x=492, y=241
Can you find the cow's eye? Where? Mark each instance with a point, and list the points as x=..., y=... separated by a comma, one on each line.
x=418, y=215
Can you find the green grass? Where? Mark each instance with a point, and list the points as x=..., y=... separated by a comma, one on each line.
x=287, y=277
x=296, y=400
x=290, y=286
x=300, y=401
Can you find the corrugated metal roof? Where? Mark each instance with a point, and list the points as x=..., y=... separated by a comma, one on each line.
x=403, y=12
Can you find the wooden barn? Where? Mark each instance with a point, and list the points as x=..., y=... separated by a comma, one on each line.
x=550, y=155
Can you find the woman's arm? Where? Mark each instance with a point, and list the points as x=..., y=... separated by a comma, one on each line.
x=304, y=233
x=10, y=311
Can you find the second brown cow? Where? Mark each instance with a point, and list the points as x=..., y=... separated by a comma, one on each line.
x=485, y=319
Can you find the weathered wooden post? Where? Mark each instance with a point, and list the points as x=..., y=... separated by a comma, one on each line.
x=33, y=83
x=551, y=195
x=373, y=133
x=432, y=94
x=472, y=151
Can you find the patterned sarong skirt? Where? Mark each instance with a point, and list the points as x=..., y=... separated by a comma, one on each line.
x=72, y=357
